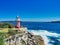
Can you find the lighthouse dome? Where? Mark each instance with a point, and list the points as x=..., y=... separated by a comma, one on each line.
x=17, y=18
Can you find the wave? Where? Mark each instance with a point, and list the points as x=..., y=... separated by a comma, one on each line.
x=50, y=38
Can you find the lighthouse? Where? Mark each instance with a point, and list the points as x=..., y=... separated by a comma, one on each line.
x=17, y=22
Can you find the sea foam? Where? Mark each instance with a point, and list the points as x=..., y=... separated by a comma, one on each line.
x=49, y=38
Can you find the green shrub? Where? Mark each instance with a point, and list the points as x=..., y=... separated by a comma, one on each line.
x=6, y=25
x=2, y=42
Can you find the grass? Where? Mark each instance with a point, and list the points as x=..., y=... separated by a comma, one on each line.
x=4, y=30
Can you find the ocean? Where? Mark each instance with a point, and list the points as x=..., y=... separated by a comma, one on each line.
x=50, y=32
x=52, y=27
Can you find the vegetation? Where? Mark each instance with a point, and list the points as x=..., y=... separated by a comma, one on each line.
x=1, y=24
x=12, y=32
x=5, y=32
x=2, y=42
x=6, y=25
x=23, y=42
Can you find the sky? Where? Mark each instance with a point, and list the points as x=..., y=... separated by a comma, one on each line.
x=30, y=10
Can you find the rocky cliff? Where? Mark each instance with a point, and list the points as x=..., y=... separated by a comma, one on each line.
x=23, y=37
x=34, y=39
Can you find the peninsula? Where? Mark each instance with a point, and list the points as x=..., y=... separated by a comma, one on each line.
x=18, y=35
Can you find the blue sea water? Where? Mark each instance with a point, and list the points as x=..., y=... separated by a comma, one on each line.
x=53, y=27
x=50, y=32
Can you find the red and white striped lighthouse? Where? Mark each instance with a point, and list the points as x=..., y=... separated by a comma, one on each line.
x=17, y=22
